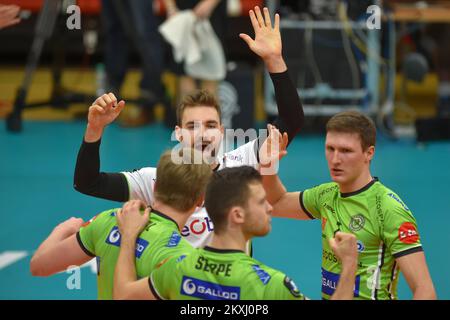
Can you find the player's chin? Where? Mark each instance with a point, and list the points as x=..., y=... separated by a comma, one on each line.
x=265, y=231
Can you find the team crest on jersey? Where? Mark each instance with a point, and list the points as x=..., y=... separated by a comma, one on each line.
x=357, y=222
x=407, y=233
x=292, y=287
x=263, y=275
x=193, y=287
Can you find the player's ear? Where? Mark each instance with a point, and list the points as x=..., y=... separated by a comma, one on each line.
x=200, y=201
x=178, y=133
x=237, y=215
x=370, y=153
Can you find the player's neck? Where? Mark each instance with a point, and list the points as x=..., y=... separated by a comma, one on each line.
x=229, y=241
x=356, y=184
x=180, y=217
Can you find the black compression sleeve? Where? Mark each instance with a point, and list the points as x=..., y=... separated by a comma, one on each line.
x=290, y=110
x=89, y=180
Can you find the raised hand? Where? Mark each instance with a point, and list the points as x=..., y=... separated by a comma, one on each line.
x=130, y=219
x=267, y=42
x=272, y=150
x=104, y=110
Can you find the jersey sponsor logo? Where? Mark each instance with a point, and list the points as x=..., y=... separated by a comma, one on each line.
x=181, y=258
x=292, y=287
x=114, y=239
x=393, y=196
x=323, y=192
x=198, y=227
x=207, y=290
x=174, y=240
x=330, y=281
x=263, y=275
x=327, y=206
x=360, y=246
x=407, y=233
x=326, y=255
x=234, y=157
x=357, y=222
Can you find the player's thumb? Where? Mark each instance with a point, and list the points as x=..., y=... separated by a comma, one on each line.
x=120, y=106
x=246, y=38
x=333, y=244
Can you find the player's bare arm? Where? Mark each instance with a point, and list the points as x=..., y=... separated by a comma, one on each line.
x=415, y=270
x=60, y=250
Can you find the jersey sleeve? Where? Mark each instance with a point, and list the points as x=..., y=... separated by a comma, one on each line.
x=309, y=202
x=141, y=183
x=281, y=287
x=400, y=232
x=87, y=234
x=162, y=279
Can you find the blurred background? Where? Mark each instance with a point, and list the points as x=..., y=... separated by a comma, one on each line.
x=389, y=59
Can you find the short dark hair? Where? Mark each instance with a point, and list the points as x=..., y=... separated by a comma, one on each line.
x=354, y=122
x=228, y=188
x=196, y=99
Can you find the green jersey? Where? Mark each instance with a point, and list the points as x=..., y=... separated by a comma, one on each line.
x=220, y=275
x=100, y=238
x=385, y=229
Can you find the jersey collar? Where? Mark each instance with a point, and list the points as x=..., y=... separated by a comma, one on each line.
x=354, y=193
x=162, y=215
x=211, y=249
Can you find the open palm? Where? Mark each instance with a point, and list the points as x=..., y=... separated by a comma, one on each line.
x=267, y=40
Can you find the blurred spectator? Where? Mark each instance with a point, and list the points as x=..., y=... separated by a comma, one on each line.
x=145, y=23
x=216, y=12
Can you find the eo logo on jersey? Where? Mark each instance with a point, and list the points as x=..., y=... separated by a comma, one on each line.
x=198, y=227
x=207, y=290
x=407, y=233
x=114, y=239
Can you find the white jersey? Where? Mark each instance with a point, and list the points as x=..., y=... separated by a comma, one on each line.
x=199, y=227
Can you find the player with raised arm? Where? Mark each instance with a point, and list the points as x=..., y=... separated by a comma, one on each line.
x=199, y=124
